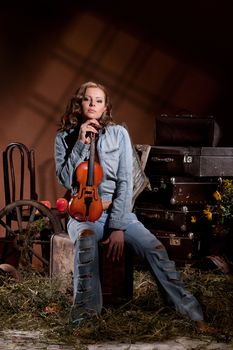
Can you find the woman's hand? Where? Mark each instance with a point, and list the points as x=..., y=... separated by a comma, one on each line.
x=90, y=126
x=116, y=244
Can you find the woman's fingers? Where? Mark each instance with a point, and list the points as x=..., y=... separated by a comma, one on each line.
x=115, y=250
x=90, y=126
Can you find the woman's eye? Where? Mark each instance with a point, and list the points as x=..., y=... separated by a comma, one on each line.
x=85, y=99
x=99, y=101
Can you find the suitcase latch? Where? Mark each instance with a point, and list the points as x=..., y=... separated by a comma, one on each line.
x=173, y=240
x=187, y=159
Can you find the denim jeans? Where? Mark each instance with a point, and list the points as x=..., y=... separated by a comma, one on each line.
x=87, y=288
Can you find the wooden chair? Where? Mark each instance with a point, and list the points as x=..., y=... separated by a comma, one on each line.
x=18, y=161
x=25, y=224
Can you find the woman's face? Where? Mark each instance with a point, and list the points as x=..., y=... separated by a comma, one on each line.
x=93, y=103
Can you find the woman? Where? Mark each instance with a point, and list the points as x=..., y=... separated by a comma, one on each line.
x=89, y=113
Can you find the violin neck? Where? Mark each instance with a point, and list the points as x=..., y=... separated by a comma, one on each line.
x=91, y=161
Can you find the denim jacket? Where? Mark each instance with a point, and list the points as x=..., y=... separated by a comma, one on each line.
x=115, y=156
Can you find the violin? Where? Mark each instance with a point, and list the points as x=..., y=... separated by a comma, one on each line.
x=86, y=205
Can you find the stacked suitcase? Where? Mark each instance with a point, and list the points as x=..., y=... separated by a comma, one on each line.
x=183, y=180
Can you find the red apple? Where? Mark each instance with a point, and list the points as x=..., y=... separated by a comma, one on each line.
x=47, y=204
x=61, y=204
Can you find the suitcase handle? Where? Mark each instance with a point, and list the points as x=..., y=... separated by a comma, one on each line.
x=184, y=113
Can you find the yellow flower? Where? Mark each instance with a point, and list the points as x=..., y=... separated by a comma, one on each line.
x=193, y=219
x=227, y=184
x=217, y=196
x=207, y=214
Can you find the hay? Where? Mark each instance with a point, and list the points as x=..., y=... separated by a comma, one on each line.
x=35, y=303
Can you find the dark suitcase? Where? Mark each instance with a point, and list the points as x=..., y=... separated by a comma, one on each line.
x=9, y=254
x=179, y=191
x=186, y=129
x=190, y=161
x=210, y=161
x=182, y=248
x=116, y=276
x=167, y=161
x=180, y=219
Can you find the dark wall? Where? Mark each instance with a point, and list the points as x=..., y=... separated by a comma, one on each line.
x=198, y=32
x=154, y=57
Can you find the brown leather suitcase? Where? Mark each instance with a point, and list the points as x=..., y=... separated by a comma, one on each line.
x=179, y=219
x=180, y=191
x=9, y=254
x=116, y=277
x=167, y=161
x=182, y=248
x=186, y=129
